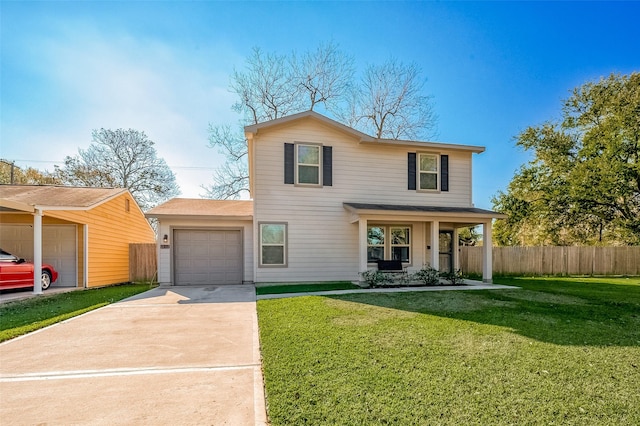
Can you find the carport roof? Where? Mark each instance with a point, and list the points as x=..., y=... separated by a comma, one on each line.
x=54, y=197
x=203, y=208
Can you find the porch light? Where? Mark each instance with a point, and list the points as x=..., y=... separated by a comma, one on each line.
x=165, y=239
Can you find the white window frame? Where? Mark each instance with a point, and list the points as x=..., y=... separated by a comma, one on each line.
x=298, y=164
x=420, y=172
x=391, y=245
x=384, y=240
x=388, y=245
x=284, y=244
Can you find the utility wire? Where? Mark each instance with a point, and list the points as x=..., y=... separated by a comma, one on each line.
x=60, y=162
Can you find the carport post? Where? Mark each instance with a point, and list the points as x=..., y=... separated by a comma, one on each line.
x=37, y=251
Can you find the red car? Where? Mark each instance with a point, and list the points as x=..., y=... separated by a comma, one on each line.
x=18, y=273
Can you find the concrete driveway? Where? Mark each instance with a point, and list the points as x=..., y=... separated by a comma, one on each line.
x=169, y=356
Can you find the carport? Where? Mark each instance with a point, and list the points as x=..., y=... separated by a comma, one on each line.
x=37, y=212
x=84, y=232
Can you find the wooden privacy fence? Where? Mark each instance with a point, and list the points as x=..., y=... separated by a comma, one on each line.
x=143, y=262
x=555, y=260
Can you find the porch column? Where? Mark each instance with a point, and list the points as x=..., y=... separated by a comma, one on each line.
x=487, y=253
x=435, y=245
x=362, y=245
x=455, y=247
x=37, y=252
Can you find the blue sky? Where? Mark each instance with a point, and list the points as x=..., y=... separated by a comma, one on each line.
x=493, y=68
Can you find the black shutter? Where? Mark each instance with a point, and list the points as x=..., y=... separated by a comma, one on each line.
x=444, y=172
x=288, y=163
x=327, y=166
x=411, y=171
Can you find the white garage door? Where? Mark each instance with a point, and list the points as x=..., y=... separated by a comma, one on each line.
x=58, y=248
x=204, y=257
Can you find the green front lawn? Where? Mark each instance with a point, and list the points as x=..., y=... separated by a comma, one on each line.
x=557, y=351
x=23, y=316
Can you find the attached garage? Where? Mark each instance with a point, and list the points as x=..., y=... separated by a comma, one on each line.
x=204, y=242
x=203, y=256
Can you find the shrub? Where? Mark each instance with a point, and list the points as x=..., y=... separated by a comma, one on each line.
x=454, y=278
x=375, y=278
x=427, y=275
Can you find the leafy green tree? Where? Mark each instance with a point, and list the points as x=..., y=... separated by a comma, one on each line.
x=122, y=159
x=469, y=236
x=583, y=184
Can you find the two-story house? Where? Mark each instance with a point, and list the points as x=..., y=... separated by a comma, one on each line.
x=327, y=202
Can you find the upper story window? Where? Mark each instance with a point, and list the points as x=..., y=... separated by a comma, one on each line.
x=308, y=164
x=428, y=171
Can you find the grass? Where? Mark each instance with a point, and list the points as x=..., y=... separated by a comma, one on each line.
x=305, y=287
x=557, y=351
x=24, y=316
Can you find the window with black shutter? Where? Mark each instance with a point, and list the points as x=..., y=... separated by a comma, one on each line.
x=289, y=174
x=308, y=164
x=327, y=166
x=428, y=172
x=411, y=171
x=444, y=173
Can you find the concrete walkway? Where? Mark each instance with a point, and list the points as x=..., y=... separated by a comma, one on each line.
x=169, y=356
x=469, y=285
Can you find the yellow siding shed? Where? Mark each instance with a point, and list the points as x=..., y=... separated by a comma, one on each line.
x=107, y=221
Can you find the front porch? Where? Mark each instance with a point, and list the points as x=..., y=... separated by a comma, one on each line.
x=414, y=234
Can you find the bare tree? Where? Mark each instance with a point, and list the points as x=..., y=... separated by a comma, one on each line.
x=122, y=158
x=232, y=179
x=266, y=88
x=324, y=76
x=272, y=86
x=391, y=103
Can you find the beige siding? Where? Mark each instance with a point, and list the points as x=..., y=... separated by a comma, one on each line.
x=319, y=229
x=166, y=226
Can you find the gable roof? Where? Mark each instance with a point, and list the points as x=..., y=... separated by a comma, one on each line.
x=28, y=198
x=204, y=208
x=253, y=129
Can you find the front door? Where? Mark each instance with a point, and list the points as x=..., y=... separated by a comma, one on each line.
x=446, y=251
